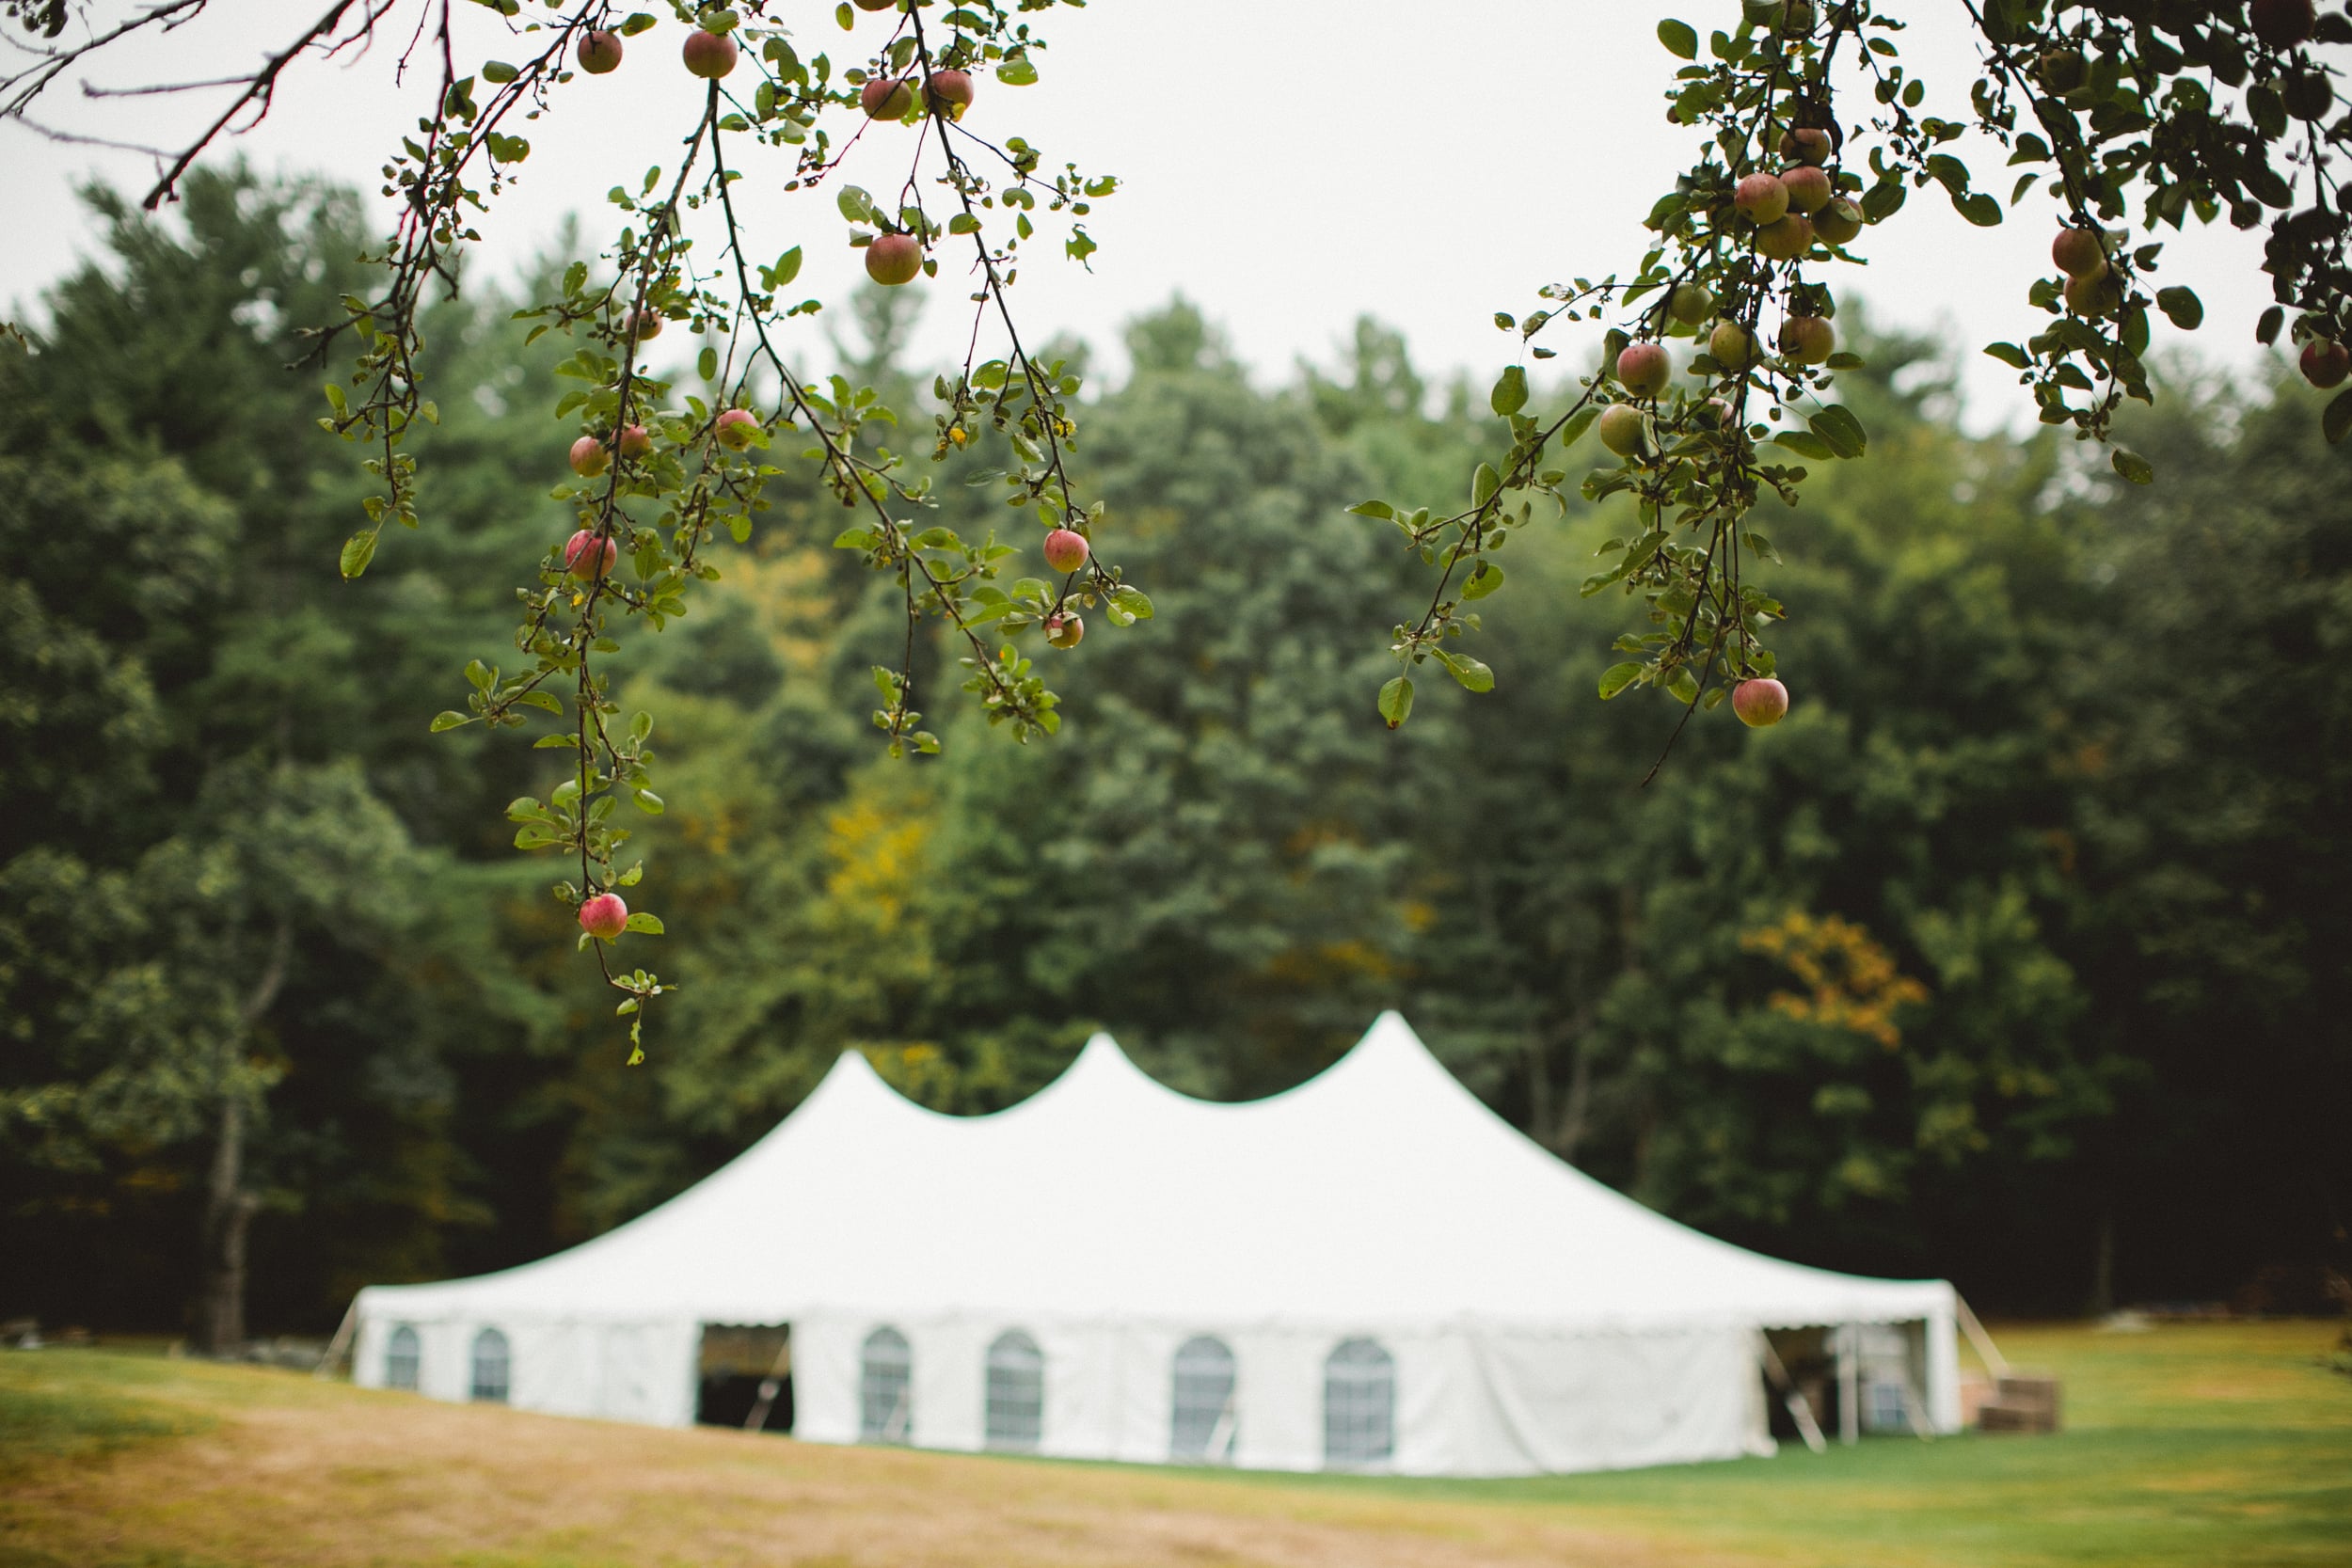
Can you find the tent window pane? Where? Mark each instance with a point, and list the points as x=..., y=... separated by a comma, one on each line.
x=1016, y=1393
x=1201, y=1429
x=401, y=1358
x=886, y=1386
x=490, y=1366
x=1359, y=1405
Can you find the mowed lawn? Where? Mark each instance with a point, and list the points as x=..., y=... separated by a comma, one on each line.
x=2206, y=1444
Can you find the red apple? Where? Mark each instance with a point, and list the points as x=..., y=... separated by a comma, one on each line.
x=2281, y=24
x=1805, y=144
x=887, y=98
x=604, y=916
x=599, y=51
x=1809, y=188
x=581, y=554
x=641, y=326
x=893, y=259
x=1807, y=339
x=2325, y=362
x=590, y=457
x=2079, y=252
x=1731, y=346
x=1644, y=369
x=1839, y=222
x=1760, y=198
x=736, y=427
x=1623, y=430
x=1066, y=549
x=951, y=92
x=1063, y=630
x=1711, y=415
x=636, y=442
x=709, y=55
x=1785, y=240
x=1760, y=704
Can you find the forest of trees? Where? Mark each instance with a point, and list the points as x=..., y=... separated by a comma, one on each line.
x=2017, y=954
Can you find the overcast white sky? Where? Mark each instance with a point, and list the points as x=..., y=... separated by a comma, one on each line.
x=1285, y=166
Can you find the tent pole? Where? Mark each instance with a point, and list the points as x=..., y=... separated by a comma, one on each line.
x=771, y=1386
x=336, y=1346
x=1849, y=1383
x=1799, y=1411
x=1992, y=1357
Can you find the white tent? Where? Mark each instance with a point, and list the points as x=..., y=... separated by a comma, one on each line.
x=1369, y=1270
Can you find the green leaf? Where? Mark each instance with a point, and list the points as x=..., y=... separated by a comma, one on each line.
x=1473, y=675
x=1483, y=483
x=449, y=721
x=1396, y=700
x=1805, y=445
x=498, y=71
x=1836, y=426
x=788, y=267
x=2182, y=308
x=1579, y=422
x=1680, y=42
x=2338, y=419
x=856, y=204
x=1616, y=678
x=2010, y=355
x=649, y=924
x=1483, y=582
x=2133, y=467
x=1980, y=209
x=357, y=552
x=1132, y=601
x=1510, y=393
x=1016, y=73
x=1380, y=510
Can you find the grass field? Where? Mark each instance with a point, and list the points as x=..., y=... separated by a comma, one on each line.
x=2209, y=1444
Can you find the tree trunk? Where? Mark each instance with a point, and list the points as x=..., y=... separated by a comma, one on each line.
x=2103, y=1266
x=228, y=1214
x=1575, y=1118
x=227, y=1206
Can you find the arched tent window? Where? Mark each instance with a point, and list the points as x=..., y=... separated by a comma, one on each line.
x=1358, y=1407
x=1016, y=1393
x=401, y=1359
x=885, y=1388
x=491, y=1366
x=1200, y=1431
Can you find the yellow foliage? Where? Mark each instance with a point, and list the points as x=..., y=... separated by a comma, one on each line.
x=1852, y=981
x=876, y=845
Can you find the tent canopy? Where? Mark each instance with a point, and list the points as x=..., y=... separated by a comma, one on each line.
x=1380, y=1194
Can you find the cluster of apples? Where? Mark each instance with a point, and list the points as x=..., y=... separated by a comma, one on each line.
x=897, y=258
x=1800, y=204
x=710, y=53
x=2091, y=288
x=1066, y=550
x=591, y=456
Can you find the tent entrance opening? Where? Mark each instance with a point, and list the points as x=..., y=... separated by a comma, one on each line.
x=746, y=1377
